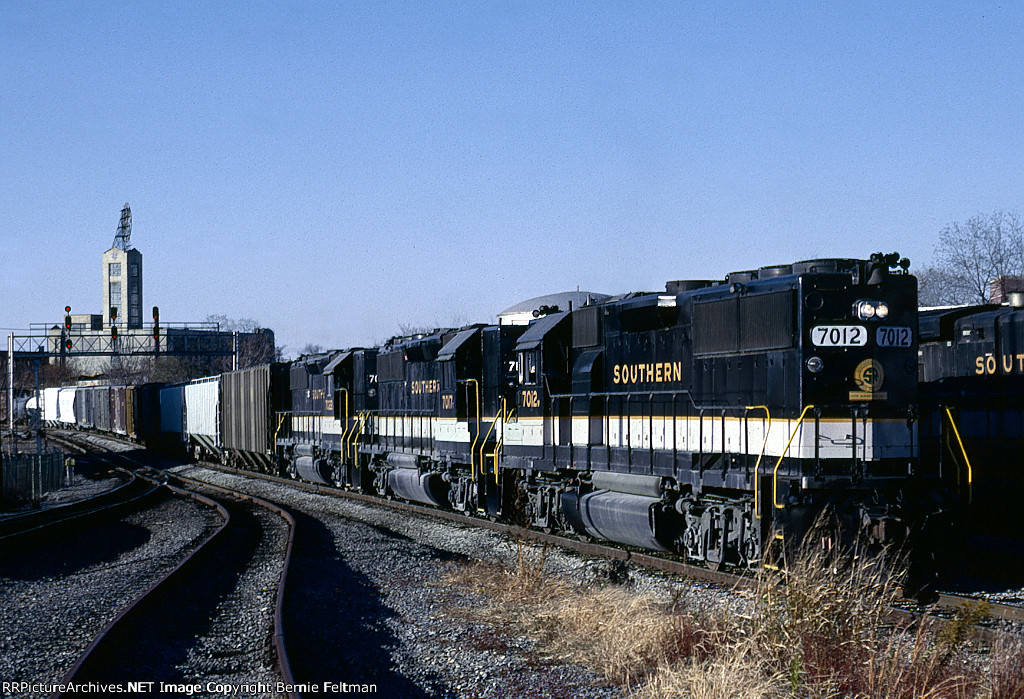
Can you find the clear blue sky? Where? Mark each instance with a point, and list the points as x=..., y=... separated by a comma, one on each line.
x=338, y=169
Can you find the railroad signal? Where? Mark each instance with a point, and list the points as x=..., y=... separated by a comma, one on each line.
x=113, y=313
x=113, y=332
x=67, y=344
x=156, y=323
x=67, y=317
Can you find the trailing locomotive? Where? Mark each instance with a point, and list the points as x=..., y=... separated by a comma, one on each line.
x=972, y=428
x=711, y=419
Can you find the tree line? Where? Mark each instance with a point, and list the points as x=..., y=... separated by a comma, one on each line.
x=972, y=259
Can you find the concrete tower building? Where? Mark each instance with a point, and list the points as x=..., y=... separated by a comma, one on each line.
x=122, y=278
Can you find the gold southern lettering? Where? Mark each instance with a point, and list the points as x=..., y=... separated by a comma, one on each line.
x=989, y=364
x=661, y=372
x=418, y=387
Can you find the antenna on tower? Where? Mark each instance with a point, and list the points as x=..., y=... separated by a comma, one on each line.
x=124, y=229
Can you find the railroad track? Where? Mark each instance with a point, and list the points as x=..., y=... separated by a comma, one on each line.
x=204, y=617
x=947, y=603
x=135, y=491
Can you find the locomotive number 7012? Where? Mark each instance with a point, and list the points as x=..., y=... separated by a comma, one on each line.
x=839, y=335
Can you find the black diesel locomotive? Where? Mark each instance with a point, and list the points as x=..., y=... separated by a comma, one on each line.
x=972, y=428
x=709, y=419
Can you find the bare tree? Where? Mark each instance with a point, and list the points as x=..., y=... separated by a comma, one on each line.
x=969, y=256
x=311, y=349
x=242, y=325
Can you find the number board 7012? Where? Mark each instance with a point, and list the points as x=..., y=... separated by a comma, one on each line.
x=857, y=336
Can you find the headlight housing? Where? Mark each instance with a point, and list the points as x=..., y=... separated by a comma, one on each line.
x=815, y=364
x=871, y=310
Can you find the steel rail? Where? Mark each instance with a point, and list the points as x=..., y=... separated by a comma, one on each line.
x=280, y=648
x=90, y=653
x=946, y=603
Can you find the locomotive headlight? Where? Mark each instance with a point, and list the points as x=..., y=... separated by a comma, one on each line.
x=814, y=364
x=871, y=310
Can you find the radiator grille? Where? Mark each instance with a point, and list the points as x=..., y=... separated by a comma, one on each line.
x=754, y=323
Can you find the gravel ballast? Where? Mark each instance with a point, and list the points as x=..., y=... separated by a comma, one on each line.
x=53, y=603
x=373, y=608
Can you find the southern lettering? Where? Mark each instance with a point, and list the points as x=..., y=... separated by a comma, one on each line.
x=1003, y=364
x=425, y=387
x=658, y=372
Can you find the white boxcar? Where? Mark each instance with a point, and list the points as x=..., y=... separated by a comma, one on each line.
x=202, y=415
x=66, y=406
x=50, y=406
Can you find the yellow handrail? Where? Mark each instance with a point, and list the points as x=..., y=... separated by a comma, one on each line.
x=501, y=439
x=757, y=465
x=500, y=416
x=356, y=431
x=281, y=417
x=344, y=420
x=967, y=461
x=483, y=444
x=472, y=448
x=775, y=473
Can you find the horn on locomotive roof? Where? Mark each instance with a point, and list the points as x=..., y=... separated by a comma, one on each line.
x=880, y=264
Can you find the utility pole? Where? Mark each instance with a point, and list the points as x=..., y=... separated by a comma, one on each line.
x=10, y=386
x=10, y=380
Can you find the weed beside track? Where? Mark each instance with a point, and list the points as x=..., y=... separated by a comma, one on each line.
x=823, y=627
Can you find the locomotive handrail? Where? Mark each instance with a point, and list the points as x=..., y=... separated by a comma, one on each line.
x=967, y=461
x=346, y=434
x=344, y=417
x=357, y=432
x=501, y=438
x=483, y=444
x=277, y=430
x=757, y=464
x=476, y=436
x=631, y=394
x=775, y=473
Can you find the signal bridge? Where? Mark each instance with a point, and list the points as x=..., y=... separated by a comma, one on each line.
x=185, y=339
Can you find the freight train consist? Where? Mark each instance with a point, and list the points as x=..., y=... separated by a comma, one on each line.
x=710, y=419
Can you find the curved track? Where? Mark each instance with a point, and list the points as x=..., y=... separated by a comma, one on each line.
x=946, y=603
x=159, y=633
x=134, y=492
x=944, y=606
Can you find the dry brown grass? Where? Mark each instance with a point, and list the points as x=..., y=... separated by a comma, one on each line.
x=822, y=628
